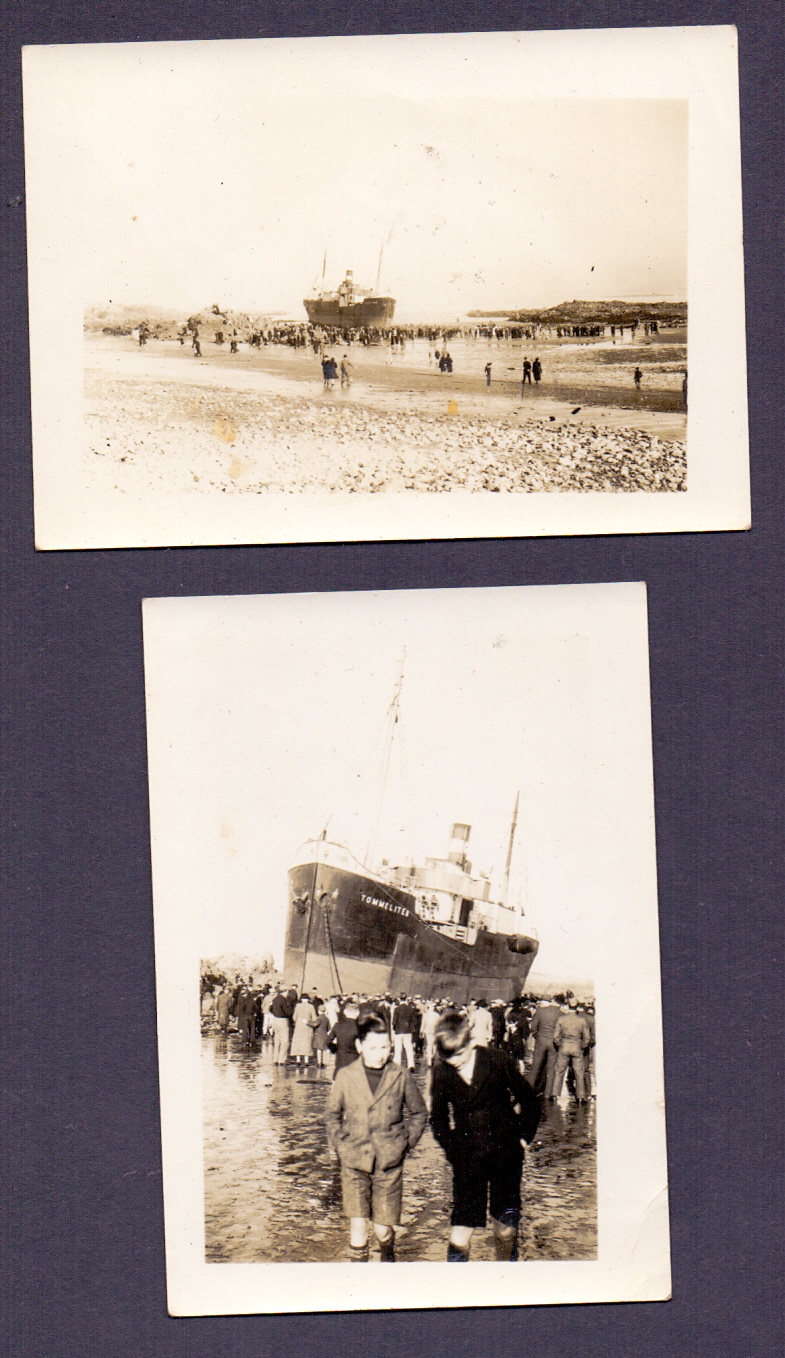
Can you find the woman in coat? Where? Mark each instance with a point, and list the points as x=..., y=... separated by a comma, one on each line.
x=304, y=1022
x=482, y=1110
x=320, y=1033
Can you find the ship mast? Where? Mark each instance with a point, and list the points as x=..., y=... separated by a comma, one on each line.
x=506, y=882
x=379, y=270
x=392, y=721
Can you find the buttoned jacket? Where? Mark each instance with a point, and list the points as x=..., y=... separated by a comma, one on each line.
x=378, y=1129
x=478, y=1121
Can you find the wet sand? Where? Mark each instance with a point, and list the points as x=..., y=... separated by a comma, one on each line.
x=158, y=417
x=272, y=1185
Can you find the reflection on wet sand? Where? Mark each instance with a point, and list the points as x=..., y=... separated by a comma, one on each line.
x=272, y=1186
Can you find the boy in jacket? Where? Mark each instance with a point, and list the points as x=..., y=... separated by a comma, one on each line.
x=374, y=1116
x=474, y=1095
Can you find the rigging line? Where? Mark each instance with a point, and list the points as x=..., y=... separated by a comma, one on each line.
x=508, y=864
x=310, y=917
x=393, y=713
x=328, y=931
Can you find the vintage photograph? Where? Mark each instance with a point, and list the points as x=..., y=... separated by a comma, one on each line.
x=487, y=295
x=349, y=282
x=392, y=881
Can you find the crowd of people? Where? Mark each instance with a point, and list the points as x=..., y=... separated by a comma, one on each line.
x=488, y=1066
x=547, y=1038
x=303, y=1027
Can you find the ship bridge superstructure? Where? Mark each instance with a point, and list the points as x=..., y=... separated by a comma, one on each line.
x=448, y=897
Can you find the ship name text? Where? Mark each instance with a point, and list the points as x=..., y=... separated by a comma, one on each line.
x=384, y=905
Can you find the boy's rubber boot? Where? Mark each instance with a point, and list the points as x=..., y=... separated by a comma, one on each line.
x=456, y=1256
x=358, y=1254
x=387, y=1250
x=506, y=1247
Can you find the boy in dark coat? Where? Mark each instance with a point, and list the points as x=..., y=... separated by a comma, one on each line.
x=342, y=1037
x=374, y=1116
x=473, y=1093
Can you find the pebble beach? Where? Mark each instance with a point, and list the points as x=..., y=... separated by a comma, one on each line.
x=163, y=420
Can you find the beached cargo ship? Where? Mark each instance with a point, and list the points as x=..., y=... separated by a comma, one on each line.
x=427, y=929
x=350, y=308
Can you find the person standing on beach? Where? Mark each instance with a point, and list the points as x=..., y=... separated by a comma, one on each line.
x=637, y=378
x=343, y=1035
x=346, y=372
x=527, y=374
x=481, y=1025
x=543, y=1065
x=223, y=1008
x=374, y=1116
x=487, y=374
x=244, y=1010
x=281, y=1011
x=536, y=370
x=473, y=1093
x=305, y=1020
x=404, y=1023
x=571, y=1038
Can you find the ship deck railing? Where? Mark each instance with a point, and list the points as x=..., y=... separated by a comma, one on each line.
x=459, y=932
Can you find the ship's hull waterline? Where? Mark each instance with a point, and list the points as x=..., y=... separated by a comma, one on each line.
x=350, y=933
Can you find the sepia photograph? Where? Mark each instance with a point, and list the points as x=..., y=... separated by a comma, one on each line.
x=356, y=288
x=482, y=295
x=406, y=928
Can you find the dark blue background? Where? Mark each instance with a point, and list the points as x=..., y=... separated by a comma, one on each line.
x=83, y=1264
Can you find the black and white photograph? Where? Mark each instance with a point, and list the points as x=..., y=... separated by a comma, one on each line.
x=406, y=931
x=419, y=286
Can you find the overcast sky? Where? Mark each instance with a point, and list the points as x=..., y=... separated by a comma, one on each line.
x=224, y=177
x=269, y=725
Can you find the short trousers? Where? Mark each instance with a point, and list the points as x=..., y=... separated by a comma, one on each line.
x=376, y=1195
x=471, y=1185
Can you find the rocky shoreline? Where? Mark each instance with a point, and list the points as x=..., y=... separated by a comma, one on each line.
x=202, y=437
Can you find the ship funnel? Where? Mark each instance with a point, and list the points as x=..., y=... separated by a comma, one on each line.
x=458, y=841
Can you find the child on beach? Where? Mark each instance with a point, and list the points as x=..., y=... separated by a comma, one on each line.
x=375, y=1115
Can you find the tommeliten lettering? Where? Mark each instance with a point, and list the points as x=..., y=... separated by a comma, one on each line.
x=384, y=905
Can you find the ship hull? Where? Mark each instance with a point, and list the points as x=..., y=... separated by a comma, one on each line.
x=372, y=312
x=349, y=933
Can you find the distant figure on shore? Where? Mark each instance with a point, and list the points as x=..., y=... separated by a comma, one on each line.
x=233, y=344
x=536, y=370
x=346, y=372
x=527, y=374
x=197, y=348
x=487, y=374
x=684, y=389
x=637, y=378
x=445, y=363
x=329, y=372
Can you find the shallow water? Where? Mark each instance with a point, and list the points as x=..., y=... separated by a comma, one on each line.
x=272, y=1186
